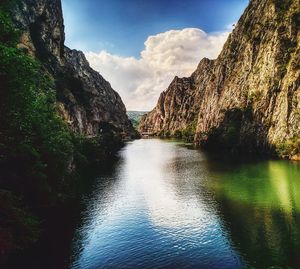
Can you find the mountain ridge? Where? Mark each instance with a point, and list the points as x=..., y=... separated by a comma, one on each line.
x=248, y=99
x=85, y=99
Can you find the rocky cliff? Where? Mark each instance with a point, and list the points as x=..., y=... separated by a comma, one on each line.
x=85, y=98
x=249, y=97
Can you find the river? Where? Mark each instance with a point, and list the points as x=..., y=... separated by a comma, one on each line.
x=165, y=205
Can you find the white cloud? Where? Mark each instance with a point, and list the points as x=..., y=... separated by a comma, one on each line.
x=169, y=54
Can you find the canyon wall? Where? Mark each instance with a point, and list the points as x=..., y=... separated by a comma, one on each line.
x=84, y=98
x=248, y=99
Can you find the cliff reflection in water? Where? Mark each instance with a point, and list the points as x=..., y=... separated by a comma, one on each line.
x=166, y=206
x=260, y=204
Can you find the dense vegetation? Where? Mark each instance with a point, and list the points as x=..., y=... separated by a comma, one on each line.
x=38, y=153
x=289, y=148
x=188, y=133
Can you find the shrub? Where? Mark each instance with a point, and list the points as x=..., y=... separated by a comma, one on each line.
x=178, y=134
x=255, y=96
x=189, y=133
x=8, y=34
x=30, y=127
x=289, y=148
x=281, y=7
x=96, y=150
x=35, y=142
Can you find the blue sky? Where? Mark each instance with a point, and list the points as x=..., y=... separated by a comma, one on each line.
x=140, y=45
x=122, y=26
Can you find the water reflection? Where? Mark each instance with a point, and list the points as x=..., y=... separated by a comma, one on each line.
x=166, y=206
x=260, y=204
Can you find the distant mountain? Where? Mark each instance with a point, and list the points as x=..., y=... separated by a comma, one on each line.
x=135, y=117
x=248, y=99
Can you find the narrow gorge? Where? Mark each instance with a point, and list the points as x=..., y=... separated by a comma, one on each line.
x=79, y=189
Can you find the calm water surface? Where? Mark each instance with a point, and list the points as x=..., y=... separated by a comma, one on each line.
x=167, y=206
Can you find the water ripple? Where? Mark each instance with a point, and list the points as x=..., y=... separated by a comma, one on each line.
x=165, y=207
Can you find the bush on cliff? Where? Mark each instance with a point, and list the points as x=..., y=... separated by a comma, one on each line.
x=289, y=148
x=36, y=146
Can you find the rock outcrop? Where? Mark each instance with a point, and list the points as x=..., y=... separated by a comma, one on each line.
x=249, y=97
x=85, y=98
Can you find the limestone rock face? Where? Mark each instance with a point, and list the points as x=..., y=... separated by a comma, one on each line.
x=249, y=97
x=85, y=98
x=178, y=106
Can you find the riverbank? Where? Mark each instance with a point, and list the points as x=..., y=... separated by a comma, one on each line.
x=57, y=223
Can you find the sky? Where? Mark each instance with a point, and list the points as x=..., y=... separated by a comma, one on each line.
x=139, y=46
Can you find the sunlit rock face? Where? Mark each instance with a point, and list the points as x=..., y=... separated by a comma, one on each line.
x=249, y=97
x=85, y=98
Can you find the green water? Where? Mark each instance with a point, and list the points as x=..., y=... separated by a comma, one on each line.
x=164, y=205
x=260, y=204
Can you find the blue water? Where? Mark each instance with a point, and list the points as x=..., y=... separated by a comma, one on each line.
x=158, y=208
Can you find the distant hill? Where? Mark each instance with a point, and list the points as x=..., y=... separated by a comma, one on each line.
x=135, y=117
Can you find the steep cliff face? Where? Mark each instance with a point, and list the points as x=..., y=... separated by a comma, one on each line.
x=85, y=98
x=177, y=107
x=249, y=97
